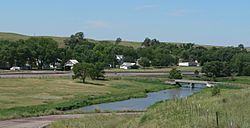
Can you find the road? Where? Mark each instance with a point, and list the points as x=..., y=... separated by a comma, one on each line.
x=43, y=121
x=45, y=74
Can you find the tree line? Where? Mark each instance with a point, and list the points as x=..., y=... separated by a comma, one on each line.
x=40, y=52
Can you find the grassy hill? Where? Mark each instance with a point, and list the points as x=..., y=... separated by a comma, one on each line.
x=60, y=40
x=15, y=37
x=12, y=36
x=248, y=48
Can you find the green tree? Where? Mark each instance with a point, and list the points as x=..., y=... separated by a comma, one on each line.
x=82, y=70
x=161, y=59
x=74, y=40
x=99, y=71
x=217, y=69
x=146, y=52
x=246, y=70
x=187, y=46
x=239, y=62
x=43, y=50
x=241, y=47
x=146, y=42
x=118, y=40
x=144, y=62
x=175, y=74
x=154, y=42
x=84, y=53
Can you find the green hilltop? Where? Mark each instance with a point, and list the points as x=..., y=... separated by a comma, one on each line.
x=60, y=40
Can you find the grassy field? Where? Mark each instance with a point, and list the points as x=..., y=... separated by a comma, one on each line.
x=197, y=111
x=33, y=97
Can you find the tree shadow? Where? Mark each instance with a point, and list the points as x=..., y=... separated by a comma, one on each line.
x=98, y=84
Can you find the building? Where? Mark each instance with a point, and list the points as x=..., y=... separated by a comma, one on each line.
x=188, y=64
x=127, y=65
x=120, y=58
x=69, y=64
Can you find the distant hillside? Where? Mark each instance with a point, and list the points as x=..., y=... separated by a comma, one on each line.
x=12, y=36
x=248, y=48
x=15, y=37
x=60, y=40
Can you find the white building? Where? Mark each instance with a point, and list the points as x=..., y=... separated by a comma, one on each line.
x=69, y=64
x=120, y=58
x=127, y=65
x=188, y=64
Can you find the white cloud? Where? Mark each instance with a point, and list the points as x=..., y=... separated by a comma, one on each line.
x=143, y=7
x=96, y=24
x=179, y=12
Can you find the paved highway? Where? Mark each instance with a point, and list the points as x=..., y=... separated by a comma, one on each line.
x=47, y=74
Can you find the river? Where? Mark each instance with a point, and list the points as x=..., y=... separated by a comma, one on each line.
x=140, y=104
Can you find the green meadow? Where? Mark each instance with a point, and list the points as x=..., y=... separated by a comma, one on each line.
x=35, y=97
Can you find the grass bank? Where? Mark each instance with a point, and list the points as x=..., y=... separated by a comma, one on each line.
x=108, y=121
x=232, y=107
x=200, y=111
x=34, y=97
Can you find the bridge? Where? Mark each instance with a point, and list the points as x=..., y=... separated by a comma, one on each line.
x=191, y=83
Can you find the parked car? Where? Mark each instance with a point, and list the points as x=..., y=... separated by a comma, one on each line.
x=15, y=68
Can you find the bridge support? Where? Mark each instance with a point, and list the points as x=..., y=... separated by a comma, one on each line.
x=178, y=84
x=191, y=85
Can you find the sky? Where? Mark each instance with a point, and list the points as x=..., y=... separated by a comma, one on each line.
x=212, y=22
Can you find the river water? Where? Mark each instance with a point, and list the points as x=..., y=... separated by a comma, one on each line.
x=138, y=104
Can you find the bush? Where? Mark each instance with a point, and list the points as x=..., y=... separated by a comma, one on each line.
x=175, y=74
x=246, y=71
x=215, y=91
x=144, y=62
x=196, y=72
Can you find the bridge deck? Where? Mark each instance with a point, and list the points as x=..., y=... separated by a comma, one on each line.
x=207, y=83
x=192, y=81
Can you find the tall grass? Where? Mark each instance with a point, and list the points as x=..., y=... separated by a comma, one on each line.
x=199, y=111
x=100, y=121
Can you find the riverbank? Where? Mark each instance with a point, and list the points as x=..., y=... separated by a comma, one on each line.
x=232, y=107
x=35, y=97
